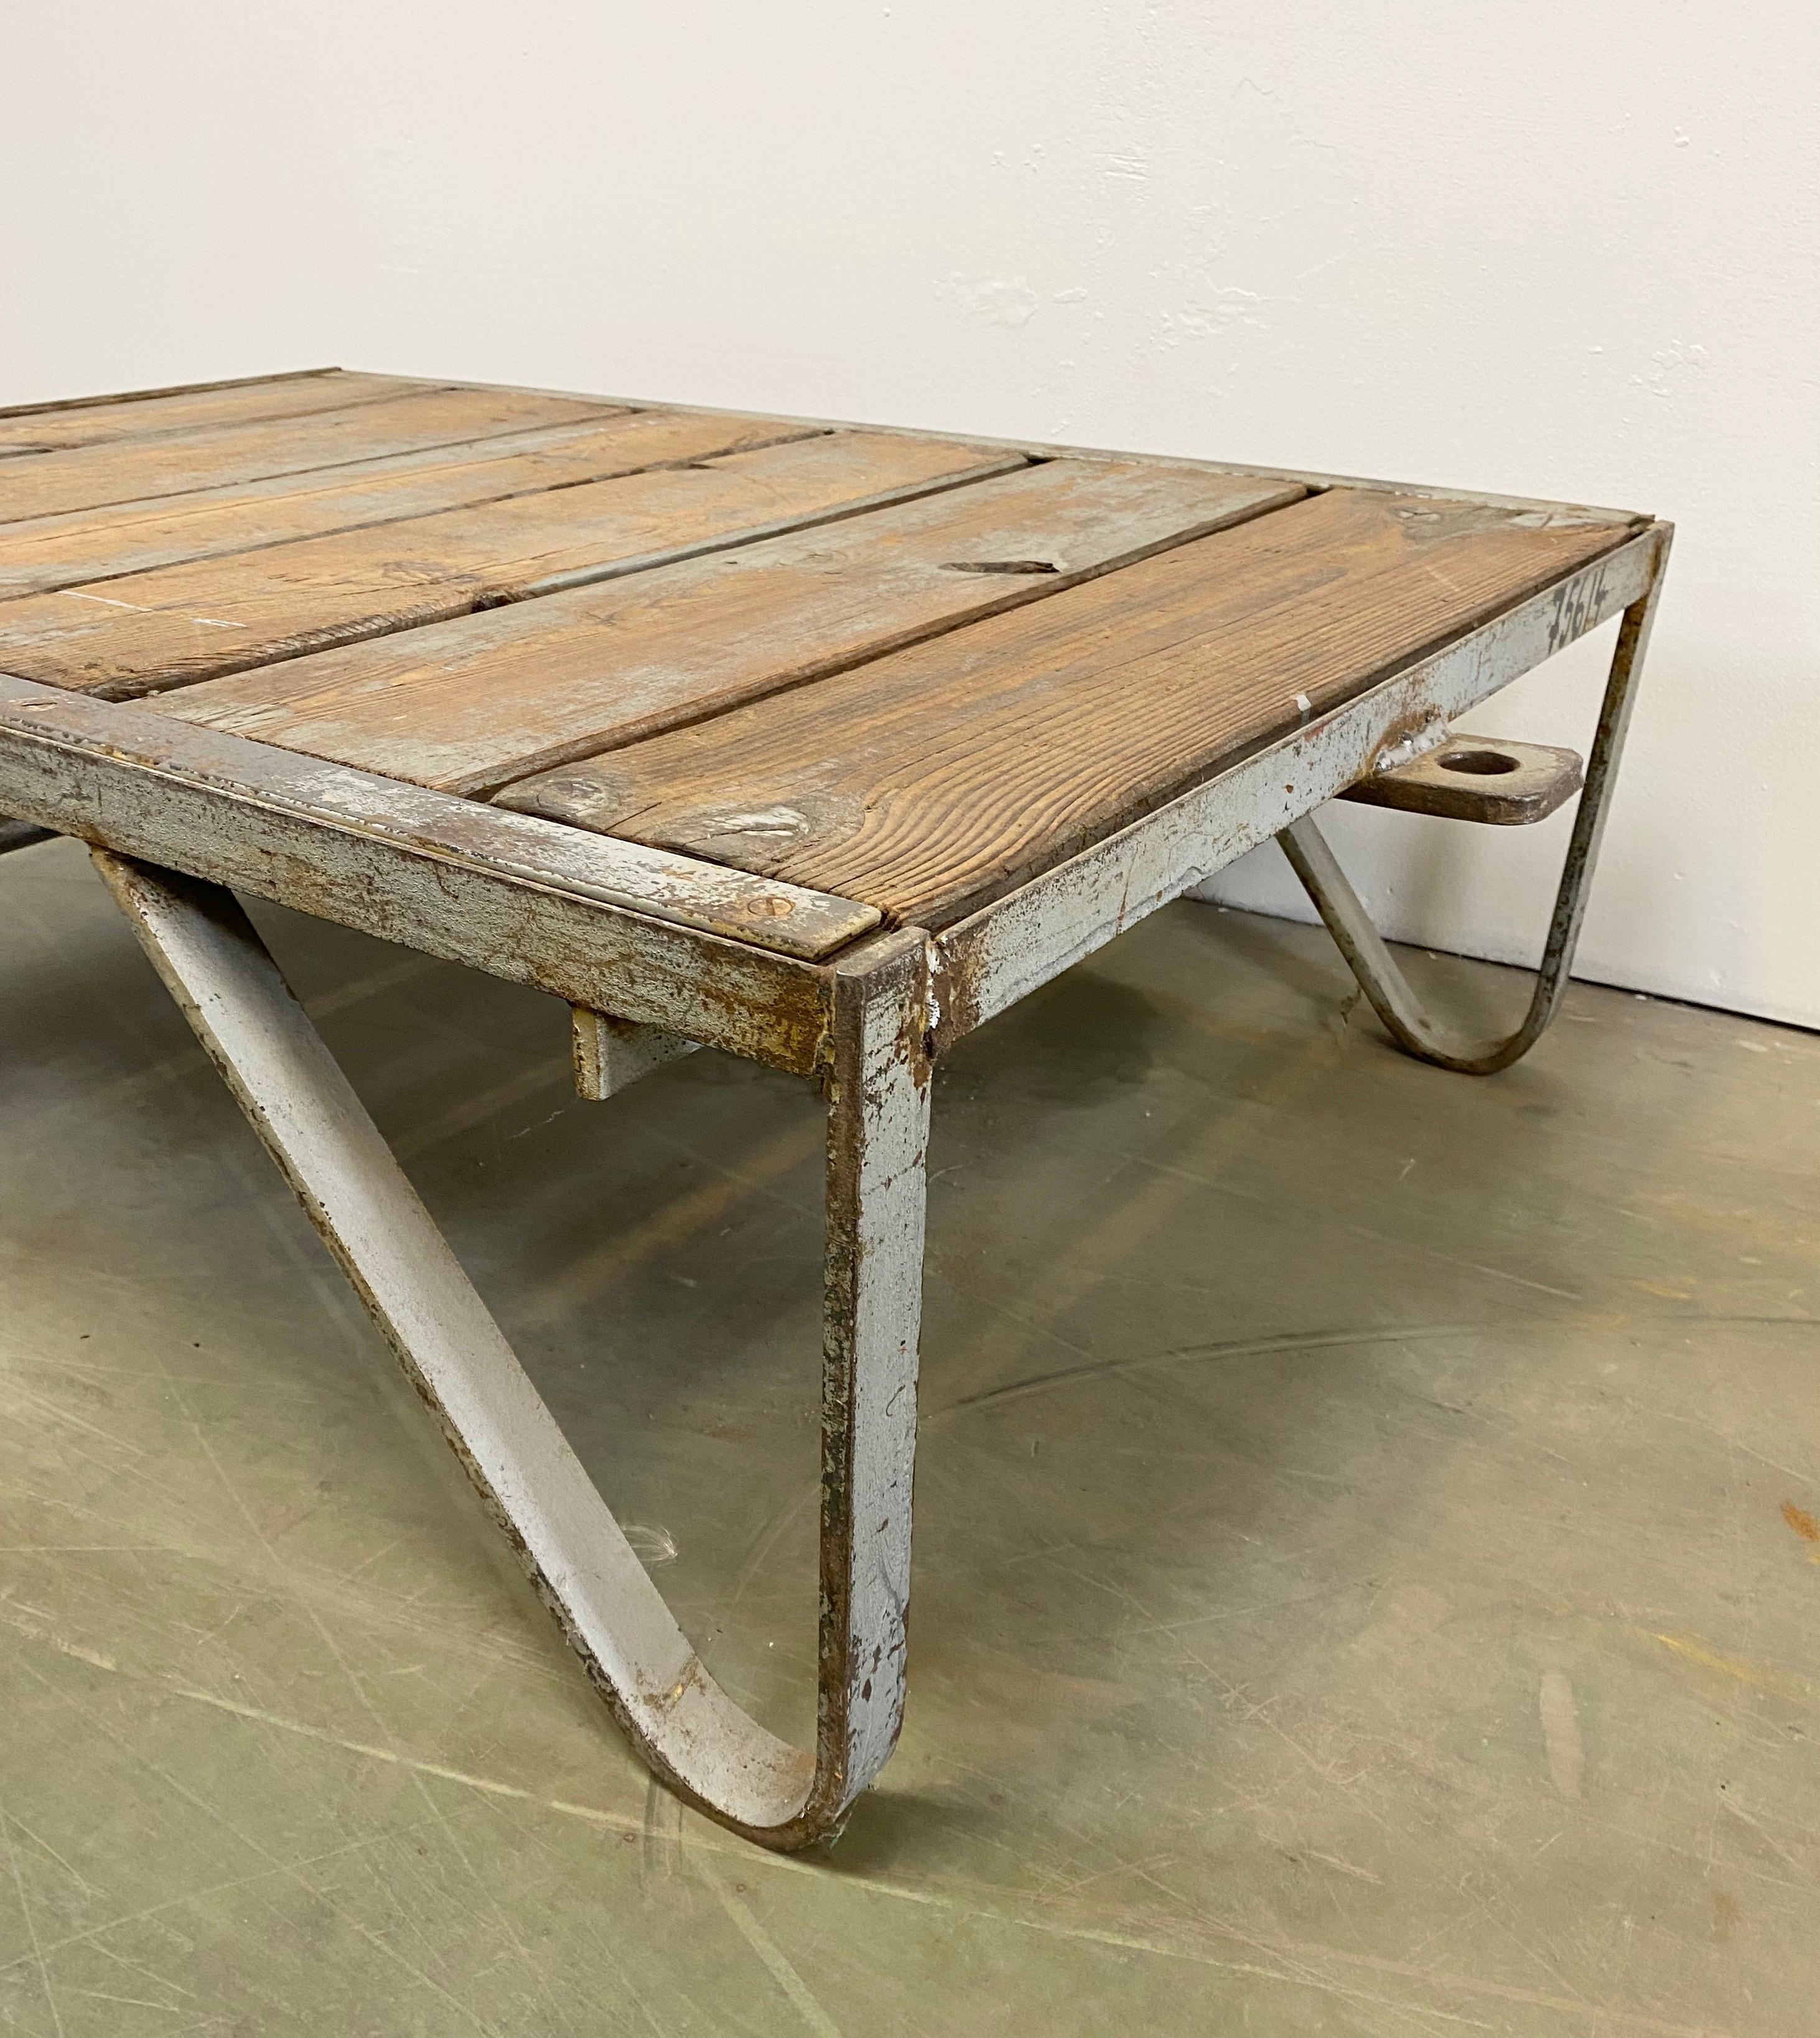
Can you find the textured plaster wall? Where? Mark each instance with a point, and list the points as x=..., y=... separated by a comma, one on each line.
x=1543, y=248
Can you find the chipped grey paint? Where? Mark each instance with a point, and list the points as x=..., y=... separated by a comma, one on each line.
x=685, y=1726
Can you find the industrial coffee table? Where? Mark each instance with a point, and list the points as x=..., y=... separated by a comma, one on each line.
x=818, y=743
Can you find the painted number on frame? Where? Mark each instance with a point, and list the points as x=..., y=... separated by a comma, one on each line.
x=1578, y=603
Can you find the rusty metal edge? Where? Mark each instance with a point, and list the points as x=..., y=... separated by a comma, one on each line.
x=513, y=924
x=790, y=920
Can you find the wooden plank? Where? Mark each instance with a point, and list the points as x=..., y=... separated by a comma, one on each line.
x=185, y=389
x=468, y=705
x=784, y=917
x=930, y=782
x=41, y=554
x=86, y=477
x=1314, y=479
x=986, y=962
x=148, y=631
x=195, y=410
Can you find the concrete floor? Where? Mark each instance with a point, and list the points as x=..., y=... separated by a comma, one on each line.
x=1367, y=1560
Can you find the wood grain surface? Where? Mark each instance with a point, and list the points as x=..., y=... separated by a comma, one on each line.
x=145, y=632
x=128, y=470
x=44, y=405
x=929, y=781
x=57, y=431
x=468, y=704
x=40, y=553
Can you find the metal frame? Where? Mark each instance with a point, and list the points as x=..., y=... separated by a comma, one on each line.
x=799, y=980
x=1409, y=1024
x=683, y=1724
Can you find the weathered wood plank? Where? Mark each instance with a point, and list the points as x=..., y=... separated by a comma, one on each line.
x=930, y=782
x=468, y=704
x=41, y=554
x=128, y=471
x=986, y=962
x=47, y=404
x=195, y=410
x=149, y=631
x=786, y=918
x=1314, y=480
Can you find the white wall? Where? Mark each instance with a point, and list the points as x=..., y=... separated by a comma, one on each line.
x=1548, y=248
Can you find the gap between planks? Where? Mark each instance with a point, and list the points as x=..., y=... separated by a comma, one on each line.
x=1314, y=480
x=133, y=418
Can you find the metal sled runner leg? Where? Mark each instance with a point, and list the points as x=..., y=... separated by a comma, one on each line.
x=688, y=1730
x=1408, y=1023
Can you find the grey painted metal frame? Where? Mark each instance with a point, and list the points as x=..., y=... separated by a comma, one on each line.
x=610, y=1054
x=685, y=1726
x=177, y=814
x=665, y=940
x=1414, y=1029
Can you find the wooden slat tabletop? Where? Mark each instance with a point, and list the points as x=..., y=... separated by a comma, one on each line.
x=145, y=632
x=129, y=469
x=34, y=431
x=932, y=781
x=40, y=553
x=604, y=665
x=888, y=668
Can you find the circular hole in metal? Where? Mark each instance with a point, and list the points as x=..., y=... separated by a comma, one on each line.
x=1481, y=764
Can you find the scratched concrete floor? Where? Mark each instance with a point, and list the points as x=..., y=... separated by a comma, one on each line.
x=1366, y=1574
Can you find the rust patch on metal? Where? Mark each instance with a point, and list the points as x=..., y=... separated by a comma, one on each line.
x=954, y=991
x=667, y=1700
x=1474, y=778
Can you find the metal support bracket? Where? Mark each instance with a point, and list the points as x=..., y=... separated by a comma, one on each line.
x=1404, y=1017
x=1475, y=778
x=612, y=1054
x=685, y=1727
